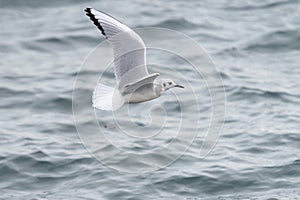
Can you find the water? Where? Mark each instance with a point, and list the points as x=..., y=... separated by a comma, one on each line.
x=255, y=46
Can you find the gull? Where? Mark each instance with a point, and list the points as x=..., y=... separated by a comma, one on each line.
x=134, y=83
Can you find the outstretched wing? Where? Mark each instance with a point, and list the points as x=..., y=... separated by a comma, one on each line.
x=129, y=49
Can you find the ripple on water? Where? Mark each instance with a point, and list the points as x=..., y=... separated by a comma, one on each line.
x=275, y=41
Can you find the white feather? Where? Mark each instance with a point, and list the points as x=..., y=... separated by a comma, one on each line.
x=107, y=98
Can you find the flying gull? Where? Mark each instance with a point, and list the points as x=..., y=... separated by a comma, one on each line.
x=134, y=83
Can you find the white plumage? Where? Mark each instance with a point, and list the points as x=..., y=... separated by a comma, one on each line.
x=135, y=84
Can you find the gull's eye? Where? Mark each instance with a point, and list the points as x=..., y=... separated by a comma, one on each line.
x=164, y=85
x=170, y=83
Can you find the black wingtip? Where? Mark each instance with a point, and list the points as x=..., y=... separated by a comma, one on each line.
x=93, y=18
x=87, y=9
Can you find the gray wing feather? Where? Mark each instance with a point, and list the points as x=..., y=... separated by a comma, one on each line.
x=129, y=49
x=145, y=81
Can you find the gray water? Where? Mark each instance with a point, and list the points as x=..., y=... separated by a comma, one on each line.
x=255, y=46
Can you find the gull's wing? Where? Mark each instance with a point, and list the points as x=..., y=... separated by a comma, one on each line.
x=145, y=81
x=129, y=49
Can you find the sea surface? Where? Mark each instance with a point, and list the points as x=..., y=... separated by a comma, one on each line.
x=255, y=47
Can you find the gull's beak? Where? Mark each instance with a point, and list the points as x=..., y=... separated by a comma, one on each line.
x=180, y=86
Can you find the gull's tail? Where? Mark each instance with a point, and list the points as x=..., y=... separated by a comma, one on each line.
x=107, y=98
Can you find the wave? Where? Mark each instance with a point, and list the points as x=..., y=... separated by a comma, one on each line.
x=9, y=92
x=275, y=41
x=37, y=3
x=245, y=92
x=220, y=180
x=56, y=103
x=179, y=23
x=261, y=6
x=63, y=42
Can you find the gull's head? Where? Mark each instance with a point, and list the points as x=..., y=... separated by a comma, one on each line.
x=168, y=83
